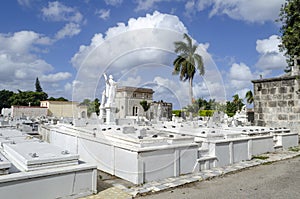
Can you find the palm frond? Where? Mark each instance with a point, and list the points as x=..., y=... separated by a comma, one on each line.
x=191, y=70
x=177, y=65
x=249, y=97
x=189, y=40
x=199, y=63
x=193, y=49
x=183, y=71
x=181, y=47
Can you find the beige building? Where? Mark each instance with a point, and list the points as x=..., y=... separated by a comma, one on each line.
x=128, y=101
x=28, y=111
x=64, y=109
x=128, y=104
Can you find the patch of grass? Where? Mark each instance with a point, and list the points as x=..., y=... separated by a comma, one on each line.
x=260, y=157
x=267, y=163
x=294, y=149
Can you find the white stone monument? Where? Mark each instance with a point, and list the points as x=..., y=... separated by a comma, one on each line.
x=108, y=106
x=240, y=118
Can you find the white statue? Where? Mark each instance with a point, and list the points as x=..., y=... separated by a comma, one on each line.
x=110, y=90
x=240, y=117
x=106, y=85
x=103, y=98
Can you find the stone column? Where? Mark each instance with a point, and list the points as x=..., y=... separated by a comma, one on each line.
x=110, y=115
x=102, y=114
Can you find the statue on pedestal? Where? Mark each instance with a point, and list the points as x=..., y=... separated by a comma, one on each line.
x=110, y=90
x=107, y=107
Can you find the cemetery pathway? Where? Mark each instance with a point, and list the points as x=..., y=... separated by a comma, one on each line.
x=277, y=180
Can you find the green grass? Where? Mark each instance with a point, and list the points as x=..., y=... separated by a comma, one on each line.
x=260, y=157
x=294, y=149
x=267, y=163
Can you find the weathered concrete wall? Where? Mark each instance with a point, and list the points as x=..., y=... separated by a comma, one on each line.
x=28, y=111
x=277, y=102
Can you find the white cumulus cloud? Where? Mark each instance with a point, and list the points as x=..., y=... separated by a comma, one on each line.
x=270, y=57
x=124, y=46
x=68, y=30
x=147, y=5
x=57, y=11
x=113, y=2
x=56, y=77
x=103, y=14
x=20, y=65
x=22, y=41
x=132, y=81
x=240, y=76
x=142, y=47
x=240, y=72
x=139, y=33
x=250, y=11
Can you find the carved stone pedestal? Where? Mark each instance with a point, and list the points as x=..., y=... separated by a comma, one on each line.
x=110, y=115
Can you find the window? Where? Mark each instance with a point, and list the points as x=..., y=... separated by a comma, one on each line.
x=134, y=111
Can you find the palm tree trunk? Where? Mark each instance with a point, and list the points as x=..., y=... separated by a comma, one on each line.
x=191, y=90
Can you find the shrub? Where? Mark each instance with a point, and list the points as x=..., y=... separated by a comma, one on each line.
x=177, y=113
x=207, y=113
x=230, y=114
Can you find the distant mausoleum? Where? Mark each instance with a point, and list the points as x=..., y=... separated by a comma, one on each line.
x=128, y=104
x=277, y=100
x=161, y=110
x=66, y=109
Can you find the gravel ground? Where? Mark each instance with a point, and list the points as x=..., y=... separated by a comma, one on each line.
x=276, y=180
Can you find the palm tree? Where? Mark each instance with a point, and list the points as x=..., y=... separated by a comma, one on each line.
x=249, y=97
x=187, y=62
x=238, y=101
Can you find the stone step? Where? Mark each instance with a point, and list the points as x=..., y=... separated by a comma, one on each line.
x=204, y=158
x=278, y=147
x=206, y=162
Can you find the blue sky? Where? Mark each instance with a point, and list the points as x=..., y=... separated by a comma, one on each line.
x=69, y=44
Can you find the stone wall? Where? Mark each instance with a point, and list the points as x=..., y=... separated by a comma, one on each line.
x=66, y=109
x=277, y=102
x=28, y=111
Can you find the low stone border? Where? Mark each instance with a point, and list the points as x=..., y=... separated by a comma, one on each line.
x=207, y=174
x=172, y=182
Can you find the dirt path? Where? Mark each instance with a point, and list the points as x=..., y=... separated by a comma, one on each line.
x=277, y=180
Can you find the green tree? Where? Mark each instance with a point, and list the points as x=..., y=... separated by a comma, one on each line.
x=145, y=105
x=97, y=105
x=38, y=87
x=204, y=107
x=238, y=101
x=4, y=97
x=187, y=62
x=26, y=98
x=289, y=16
x=249, y=97
x=210, y=105
x=234, y=106
x=92, y=106
x=230, y=108
x=57, y=99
